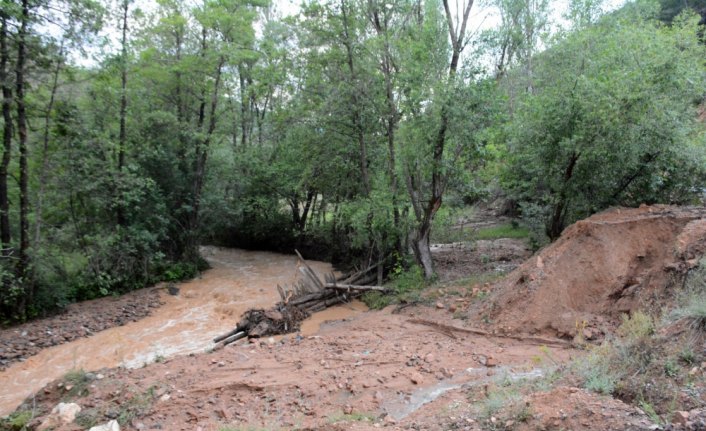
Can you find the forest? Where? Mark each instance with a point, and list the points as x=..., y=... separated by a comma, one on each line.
x=133, y=132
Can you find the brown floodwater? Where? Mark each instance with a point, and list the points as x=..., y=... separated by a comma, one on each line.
x=205, y=307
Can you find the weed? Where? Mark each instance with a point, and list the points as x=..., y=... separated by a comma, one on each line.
x=687, y=355
x=693, y=311
x=693, y=300
x=376, y=300
x=17, y=421
x=671, y=369
x=406, y=286
x=136, y=406
x=351, y=417
x=503, y=231
x=76, y=383
x=650, y=411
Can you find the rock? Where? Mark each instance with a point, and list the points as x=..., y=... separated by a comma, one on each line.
x=172, y=289
x=439, y=305
x=429, y=358
x=453, y=308
x=347, y=409
x=491, y=362
x=110, y=426
x=588, y=334
x=680, y=417
x=100, y=376
x=416, y=378
x=62, y=414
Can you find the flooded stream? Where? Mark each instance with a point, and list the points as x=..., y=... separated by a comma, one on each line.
x=206, y=307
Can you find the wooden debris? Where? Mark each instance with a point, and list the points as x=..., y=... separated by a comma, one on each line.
x=528, y=338
x=308, y=295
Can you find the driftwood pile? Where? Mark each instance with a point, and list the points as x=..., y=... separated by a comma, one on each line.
x=308, y=295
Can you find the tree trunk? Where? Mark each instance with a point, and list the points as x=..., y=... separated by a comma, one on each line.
x=5, y=232
x=558, y=219
x=421, y=249
x=392, y=115
x=355, y=105
x=425, y=214
x=45, y=148
x=200, y=159
x=120, y=213
x=23, y=263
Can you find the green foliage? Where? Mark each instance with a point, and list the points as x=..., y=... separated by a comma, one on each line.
x=17, y=421
x=611, y=119
x=76, y=382
x=351, y=417
x=406, y=286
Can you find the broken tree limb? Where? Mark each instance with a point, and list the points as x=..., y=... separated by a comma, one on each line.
x=355, y=287
x=233, y=338
x=224, y=336
x=531, y=339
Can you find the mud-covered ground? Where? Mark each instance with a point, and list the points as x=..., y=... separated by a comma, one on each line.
x=376, y=370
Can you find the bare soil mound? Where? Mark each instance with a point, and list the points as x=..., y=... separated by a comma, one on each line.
x=611, y=263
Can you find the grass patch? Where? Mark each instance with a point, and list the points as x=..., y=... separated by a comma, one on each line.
x=136, y=406
x=692, y=301
x=640, y=366
x=405, y=286
x=502, y=231
x=351, y=417
x=76, y=383
x=16, y=421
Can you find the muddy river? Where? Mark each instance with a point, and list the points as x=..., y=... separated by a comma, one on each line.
x=205, y=307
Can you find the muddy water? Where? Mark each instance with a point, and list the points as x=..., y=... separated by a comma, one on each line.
x=206, y=307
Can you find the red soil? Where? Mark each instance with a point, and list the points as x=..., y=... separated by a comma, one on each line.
x=609, y=264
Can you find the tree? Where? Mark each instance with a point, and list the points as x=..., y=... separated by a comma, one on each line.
x=426, y=196
x=612, y=121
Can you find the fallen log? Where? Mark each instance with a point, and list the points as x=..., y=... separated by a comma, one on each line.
x=442, y=327
x=355, y=287
x=298, y=301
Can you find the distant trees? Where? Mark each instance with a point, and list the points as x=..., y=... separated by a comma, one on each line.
x=341, y=131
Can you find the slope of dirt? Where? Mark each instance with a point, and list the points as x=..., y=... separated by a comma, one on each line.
x=78, y=320
x=611, y=263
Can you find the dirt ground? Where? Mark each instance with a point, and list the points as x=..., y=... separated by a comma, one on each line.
x=492, y=258
x=78, y=320
x=428, y=367
x=378, y=370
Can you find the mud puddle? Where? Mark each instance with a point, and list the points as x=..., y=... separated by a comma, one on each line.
x=206, y=307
